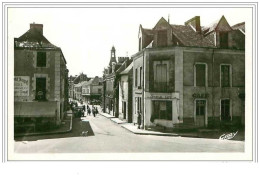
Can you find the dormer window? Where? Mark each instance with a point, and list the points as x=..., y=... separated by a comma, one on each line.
x=223, y=39
x=162, y=38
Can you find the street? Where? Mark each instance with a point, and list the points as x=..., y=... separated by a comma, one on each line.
x=107, y=136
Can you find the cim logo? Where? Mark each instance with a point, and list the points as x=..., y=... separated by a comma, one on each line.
x=228, y=136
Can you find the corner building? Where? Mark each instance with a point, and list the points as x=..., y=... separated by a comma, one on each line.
x=40, y=80
x=189, y=75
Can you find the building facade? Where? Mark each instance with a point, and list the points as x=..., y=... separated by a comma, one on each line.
x=92, y=90
x=189, y=75
x=40, y=79
x=110, y=84
x=125, y=91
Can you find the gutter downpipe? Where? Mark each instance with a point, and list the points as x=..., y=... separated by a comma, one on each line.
x=213, y=88
x=143, y=92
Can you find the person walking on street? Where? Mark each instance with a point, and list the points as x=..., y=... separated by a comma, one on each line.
x=84, y=108
x=93, y=111
x=89, y=112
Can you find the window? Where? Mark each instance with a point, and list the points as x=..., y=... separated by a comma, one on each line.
x=225, y=75
x=223, y=39
x=162, y=38
x=200, y=74
x=162, y=110
x=160, y=78
x=225, y=109
x=40, y=89
x=41, y=59
x=136, y=76
x=140, y=78
x=99, y=90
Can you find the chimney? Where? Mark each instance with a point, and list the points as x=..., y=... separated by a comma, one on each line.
x=194, y=23
x=38, y=27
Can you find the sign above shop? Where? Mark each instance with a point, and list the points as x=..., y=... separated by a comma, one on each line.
x=200, y=95
x=160, y=97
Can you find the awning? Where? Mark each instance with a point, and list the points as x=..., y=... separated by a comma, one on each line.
x=35, y=109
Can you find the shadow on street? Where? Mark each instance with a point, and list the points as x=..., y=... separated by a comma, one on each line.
x=77, y=129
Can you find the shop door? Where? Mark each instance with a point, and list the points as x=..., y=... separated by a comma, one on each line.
x=40, y=88
x=200, y=112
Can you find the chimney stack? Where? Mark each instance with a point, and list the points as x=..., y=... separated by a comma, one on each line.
x=38, y=27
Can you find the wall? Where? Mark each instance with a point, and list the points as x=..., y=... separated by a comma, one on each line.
x=213, y=60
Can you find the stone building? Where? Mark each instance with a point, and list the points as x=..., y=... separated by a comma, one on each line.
x=92, y=90
x=125, y=90
x=110, y=84
x=190, y=75
x=40, y=80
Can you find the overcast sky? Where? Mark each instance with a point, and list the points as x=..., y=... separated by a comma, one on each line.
x=86, y=35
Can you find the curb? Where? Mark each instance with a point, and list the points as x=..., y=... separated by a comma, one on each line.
x=154, y=134
x=47, y=133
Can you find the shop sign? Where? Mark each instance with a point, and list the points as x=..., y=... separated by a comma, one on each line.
x=160, y=97
x=200, y=95
x=21, y=86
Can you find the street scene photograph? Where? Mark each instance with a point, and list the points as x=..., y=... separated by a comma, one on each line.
x=129, y=81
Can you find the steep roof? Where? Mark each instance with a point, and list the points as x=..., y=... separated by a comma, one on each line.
x=126, y=71
x=33, y=38
x=239, y=26
x=93, y=81
x=188, y=37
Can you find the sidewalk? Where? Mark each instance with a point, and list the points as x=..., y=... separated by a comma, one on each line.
x=132, y=128
x=64, y=128
x=201, y=133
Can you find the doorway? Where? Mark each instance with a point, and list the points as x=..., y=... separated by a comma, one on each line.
x=200, y=113
x=40, y=89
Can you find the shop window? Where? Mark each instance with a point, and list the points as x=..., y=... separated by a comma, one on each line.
x=160, y=79
x=225, y=76
x=225, y=109
x=223, y=39
x=162, y=110
x=41, y=59
x=200, y=75
x=162, y=38
x=40, y=89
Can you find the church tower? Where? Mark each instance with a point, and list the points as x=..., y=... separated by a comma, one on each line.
x=113, y=56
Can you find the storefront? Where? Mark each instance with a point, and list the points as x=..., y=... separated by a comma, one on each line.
x=161, y=109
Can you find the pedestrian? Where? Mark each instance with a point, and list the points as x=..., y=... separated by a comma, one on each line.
x=89, y=112
x=93, y=112
x=96, y=110
x=84, y=108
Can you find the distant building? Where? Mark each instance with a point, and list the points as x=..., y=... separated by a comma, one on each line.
x=125, y=90
x=40, y=80
x=190, y=75
x=110, y=84
x=92, y=90
x=76, y=85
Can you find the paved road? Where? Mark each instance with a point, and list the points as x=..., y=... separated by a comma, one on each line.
x=106, y=136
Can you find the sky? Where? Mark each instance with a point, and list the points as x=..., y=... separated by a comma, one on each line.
x=86, y=35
